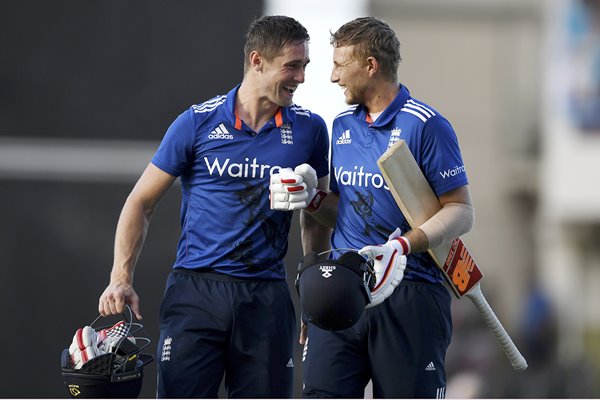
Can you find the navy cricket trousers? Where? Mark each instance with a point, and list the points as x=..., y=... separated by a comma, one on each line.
x=213, y=326
x=400, y=344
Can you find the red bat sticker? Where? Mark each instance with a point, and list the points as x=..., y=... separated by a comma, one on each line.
x=461, y=270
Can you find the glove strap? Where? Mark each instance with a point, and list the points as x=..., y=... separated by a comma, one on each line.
x=316, y=201
x=404, y=244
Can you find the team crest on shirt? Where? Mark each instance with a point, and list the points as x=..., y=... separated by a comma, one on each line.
x=394, y=136
x=286, y=134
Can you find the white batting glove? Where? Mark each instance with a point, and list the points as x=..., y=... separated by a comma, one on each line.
x=309, y=176
x=108, y=338
x=84, y=346
x=389, y=264
x=287, y=191
x=88, y=343
x=292, y=190
x=315, y=196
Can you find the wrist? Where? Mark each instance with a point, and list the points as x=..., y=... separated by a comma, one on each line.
x=402, y=244
x=120, y=277
x=316, y=200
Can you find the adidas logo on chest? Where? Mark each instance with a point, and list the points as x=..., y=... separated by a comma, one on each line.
x=345, y=138
x=220, y=132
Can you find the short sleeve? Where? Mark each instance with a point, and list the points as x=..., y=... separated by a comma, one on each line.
x=176, y=150
x=320, y=156
x=441, y=159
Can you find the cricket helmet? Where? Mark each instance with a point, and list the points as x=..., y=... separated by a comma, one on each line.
x=115, y=370
x=334, y=293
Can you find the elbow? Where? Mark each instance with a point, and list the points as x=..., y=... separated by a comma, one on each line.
x=140, y=206
x=468, y=219
x=451, y=222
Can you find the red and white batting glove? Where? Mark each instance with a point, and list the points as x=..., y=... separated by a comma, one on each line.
x=297, y=189
x=389, y=262
x=84, y=346
x=315, y=196
x=109, y=338
x=88, y=343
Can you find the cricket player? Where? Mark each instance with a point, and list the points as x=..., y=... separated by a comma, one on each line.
x=401, y=343
x=227, y=309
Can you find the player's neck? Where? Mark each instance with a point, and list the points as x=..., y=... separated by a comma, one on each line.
x=253, y=109
x=380, y=96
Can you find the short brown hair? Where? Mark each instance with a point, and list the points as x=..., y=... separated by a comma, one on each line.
x=269, y=34
x=371, y=37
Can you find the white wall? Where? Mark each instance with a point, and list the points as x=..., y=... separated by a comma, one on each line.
x=320, y=18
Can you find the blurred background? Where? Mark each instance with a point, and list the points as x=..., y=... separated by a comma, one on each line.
x=87, y=90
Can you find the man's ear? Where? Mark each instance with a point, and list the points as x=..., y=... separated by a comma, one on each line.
x=256, y=60
x=372, y=66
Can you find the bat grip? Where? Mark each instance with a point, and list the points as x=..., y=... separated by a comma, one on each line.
x=517, y=361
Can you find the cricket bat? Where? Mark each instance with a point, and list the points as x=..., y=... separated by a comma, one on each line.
x=418, y=203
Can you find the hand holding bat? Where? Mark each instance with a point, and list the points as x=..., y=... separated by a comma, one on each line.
x=418, y=203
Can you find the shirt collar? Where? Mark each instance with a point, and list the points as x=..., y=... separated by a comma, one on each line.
x=282, y=116
x=390, y=111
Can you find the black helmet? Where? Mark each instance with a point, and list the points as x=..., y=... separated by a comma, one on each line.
x=115, y=374
x=334, y=293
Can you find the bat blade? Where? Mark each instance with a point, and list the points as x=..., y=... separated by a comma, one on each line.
x=418, y=203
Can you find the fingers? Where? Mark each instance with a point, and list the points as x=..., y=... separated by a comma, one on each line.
x=396, y=234
x=114, y=299
x=111, y=304
x=288, y=189
x=86, y=337
x=103, y=305
x=292, y=190
x=281, y=195
x=302, y=173
x=83, y=347
x=288, y=206
x=304, y=170
x=303, y=333
x=370, y=251
x=286, y=176
x=118, y=305
x=308, y=174
x=288, y=201
x=401, y=260
x=288, y=192
x=135, y=307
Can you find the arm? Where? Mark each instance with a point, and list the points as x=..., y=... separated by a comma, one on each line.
x=419, y=240
x=131, y=232
x=315, y=235
x=452, y=220
x=316, y=232
x=300, y=189
x=326, y=214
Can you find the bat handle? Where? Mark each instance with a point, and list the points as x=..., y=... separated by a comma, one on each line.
x=516, y=359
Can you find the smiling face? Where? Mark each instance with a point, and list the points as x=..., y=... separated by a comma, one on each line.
x=350, y=74
x=282, y=75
